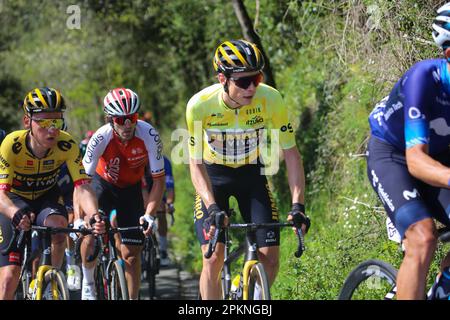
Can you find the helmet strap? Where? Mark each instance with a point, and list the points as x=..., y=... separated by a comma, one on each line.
x=225, y=88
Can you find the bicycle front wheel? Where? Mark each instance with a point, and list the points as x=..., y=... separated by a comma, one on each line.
x=100, y=282
x=55, y=286
x=371, y=280
x=258, y=284
x=118, y=285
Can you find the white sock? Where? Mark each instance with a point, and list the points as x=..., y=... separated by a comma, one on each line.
x=88, y=274
x=163, y=243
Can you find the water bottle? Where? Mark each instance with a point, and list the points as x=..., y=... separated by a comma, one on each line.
x=236, y=288
x=442, y=287
x=32, y=290
x=73, y=277
x=73, y=272
x=235, y=283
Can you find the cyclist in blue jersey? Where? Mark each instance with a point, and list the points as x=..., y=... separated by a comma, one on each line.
x=409, y=160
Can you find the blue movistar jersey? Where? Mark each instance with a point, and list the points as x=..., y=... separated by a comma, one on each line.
x=417, y=111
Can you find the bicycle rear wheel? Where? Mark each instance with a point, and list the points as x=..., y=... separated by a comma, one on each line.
x=118, y=285
x=371, y=280
x=55, y=286
x=258, y=284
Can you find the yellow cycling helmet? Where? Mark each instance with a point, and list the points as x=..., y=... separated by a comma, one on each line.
x=237, y=56
x=43, y=100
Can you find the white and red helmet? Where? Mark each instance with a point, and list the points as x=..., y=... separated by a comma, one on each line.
x=121, y=102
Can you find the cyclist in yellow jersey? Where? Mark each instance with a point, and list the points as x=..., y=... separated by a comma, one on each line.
x=30, y=162
x=227, y=123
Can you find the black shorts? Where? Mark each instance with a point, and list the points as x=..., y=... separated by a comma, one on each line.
x=43, y=207
x=253, y=195
x=406, y=199
x=128, y=203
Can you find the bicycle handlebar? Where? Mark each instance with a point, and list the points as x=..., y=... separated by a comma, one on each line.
x=17, y=240
x=219, y=220
x=253, y=226
x=444, y=234
x=142, y=227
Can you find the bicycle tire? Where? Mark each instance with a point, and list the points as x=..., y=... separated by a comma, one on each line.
x=100, y=282
x=150, y=265
x=118, y=285
x=152, y=270
x=257, y=274
x=369, y=280
x=61, y=284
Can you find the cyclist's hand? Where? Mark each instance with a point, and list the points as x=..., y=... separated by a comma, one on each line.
x=80, y=223
x=22, y=219
x=209, y=224
x=297, y=215
x=170, y=208
x=152, y=226
x=98, y=224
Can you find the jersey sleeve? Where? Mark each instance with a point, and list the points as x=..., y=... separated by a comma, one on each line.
x=154, y=146
x=418, y=90
x=7, y=159
x=280, y=121
x=95, y=148
x=195, y=127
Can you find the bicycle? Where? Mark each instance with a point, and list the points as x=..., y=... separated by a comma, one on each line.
x=110, y=281
x=150, y=263
x=243, y=285
x=373, y=278
x=50, y=282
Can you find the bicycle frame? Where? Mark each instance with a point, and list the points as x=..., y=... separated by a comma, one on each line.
x=44, y=266
x=251, y=258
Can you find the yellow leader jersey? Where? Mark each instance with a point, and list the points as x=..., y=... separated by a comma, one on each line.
x=232, y=137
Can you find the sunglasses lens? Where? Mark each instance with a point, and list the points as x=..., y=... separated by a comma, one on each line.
x=50, y=123
x=122, y=120
x=245, y=82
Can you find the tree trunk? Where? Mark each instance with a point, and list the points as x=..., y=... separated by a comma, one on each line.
x=250, y=35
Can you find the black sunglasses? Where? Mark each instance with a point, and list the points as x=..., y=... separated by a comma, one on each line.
x=245, y=82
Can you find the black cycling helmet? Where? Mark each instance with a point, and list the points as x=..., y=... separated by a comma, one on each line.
x=43, y=100
x=237, y=56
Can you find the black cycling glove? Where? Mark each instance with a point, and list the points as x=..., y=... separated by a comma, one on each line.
x=213, y=211
x=299, y=217
x=19, y=215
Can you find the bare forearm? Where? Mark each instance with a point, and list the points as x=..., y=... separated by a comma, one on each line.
x=202, y=183
x=425, y=168
x=155, y=197
x=85, y=200
x=170, y=196
x=7, y=207
x=296, y=175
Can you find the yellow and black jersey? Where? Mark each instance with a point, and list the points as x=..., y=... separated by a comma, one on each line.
x=233, y=137
x=26, y=175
